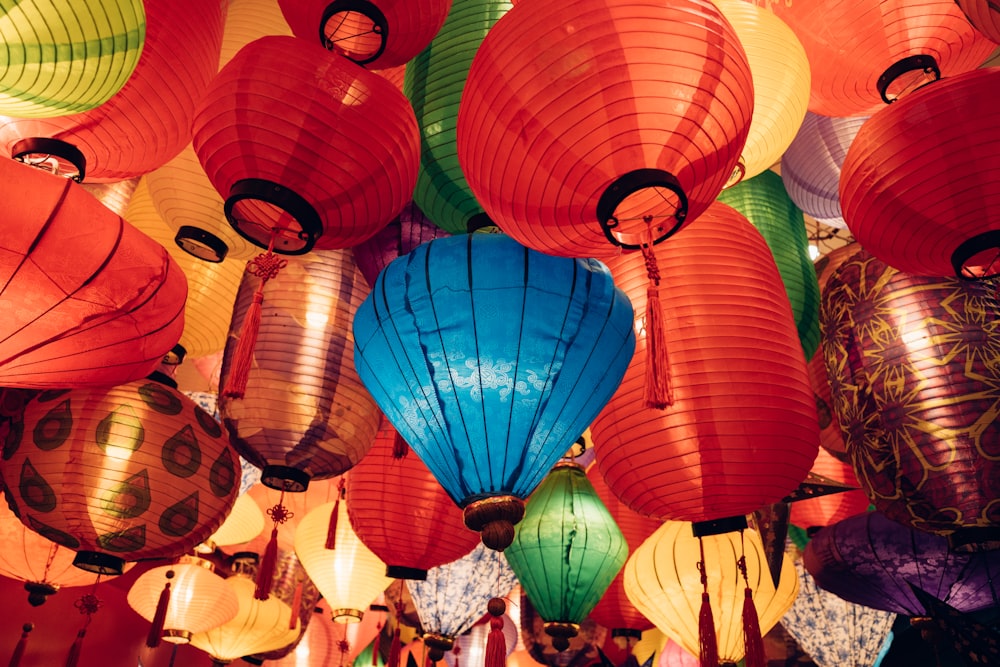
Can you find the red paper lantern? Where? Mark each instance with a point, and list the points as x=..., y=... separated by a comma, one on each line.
x=400, y=511
x=984, y=15
x=625, y=126
x=920, y=181
x=742, y=430
x=868, y=44
x=831, y=508
x=105, y=317
x=308, y=147
x=381, y=33
x=148, y=121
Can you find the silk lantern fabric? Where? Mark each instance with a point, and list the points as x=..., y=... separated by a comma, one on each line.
x=627, y=125
x=490, y=359
x=911, y=366
x=858, y=42
x=127, y=473
x=148, y=121
x=62, y=59
x=307, y=145
x=920, y=176
x=406, y=231
x=376, y=33
x=742, y=430
x=104, y=318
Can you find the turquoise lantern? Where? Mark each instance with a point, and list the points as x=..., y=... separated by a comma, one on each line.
x=491, y=359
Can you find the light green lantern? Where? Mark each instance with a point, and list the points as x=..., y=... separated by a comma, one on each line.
x=62, y=57
x=567, y=550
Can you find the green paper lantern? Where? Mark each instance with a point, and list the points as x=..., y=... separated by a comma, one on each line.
x=434, y=82
x=765, y=203
x=567, y=550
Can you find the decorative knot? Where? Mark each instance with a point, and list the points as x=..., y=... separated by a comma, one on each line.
x=742, y=564
x=652, y=268
x=266, y=265
x=704, y=575
x=88, y=604
x=280, y=514
x=344, y=645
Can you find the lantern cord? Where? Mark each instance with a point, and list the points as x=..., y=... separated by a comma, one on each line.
x=345, y=647
x=396, y=647
x=22, y=644
x=753, y=642
x=87, y=604
x=331, y=531
x=264, y=266
x=160, y=616
x=296, y=603
x=376, y=644
x=708, y=645
x=658, y=390
x=265, y=572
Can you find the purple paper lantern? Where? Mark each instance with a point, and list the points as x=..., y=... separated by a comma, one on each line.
x=408, y=230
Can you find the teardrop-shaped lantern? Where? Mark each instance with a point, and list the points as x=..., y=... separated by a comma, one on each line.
x=625, y=126
x=490, y=359
x=120, y=474
x=244, y=523
x=406, y=231
x=566, y=550
x=401, y=512
x=60, y=60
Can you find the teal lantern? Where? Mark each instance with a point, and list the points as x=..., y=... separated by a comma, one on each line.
x=491, y=359
x=566, y=551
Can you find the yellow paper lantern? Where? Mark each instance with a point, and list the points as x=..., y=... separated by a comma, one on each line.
x=244, y=523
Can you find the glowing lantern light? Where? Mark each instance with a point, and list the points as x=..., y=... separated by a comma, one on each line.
x=244, y=523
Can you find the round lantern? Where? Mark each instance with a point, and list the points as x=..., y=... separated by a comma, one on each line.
x=566, y=551
x=106, y=317
x=490, y=359
x=145, y=123
x=401, y=512
x=408, y=230
x=919, y=177
x=911, y=367
x=119, y=474
x=984, y=15
x=433, y=82
x=298, y=506
x=59, y=61
x=623, y=128
x=810, y=168
x=380, y=33
x=872, y=50
x=765, y=203
x=742, y=431
x=832, y=507
x=872, y=561
x=328, y=170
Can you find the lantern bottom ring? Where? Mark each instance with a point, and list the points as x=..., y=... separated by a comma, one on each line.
x=561, y=633
x=345, y=615
x=921, y=62
x=200, y=243
x=976, y=257
x=99, y=563
x=55, y=155
x=380, y=27
x=176, y=636
x=494, y=517
x=286, y=240
x=975, y=539
x=729, y=524
x=403, y=572
x=644, y=232
x=284, y=478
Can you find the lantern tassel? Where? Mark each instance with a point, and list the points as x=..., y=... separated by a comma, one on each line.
x=753, y=643
x=331, y=531
x=708, y=644
x=496, y=643
x=160, y=615
x=265, y=571
x=400, y=447
x=296, y=603
x=22, y=644
x=395, y=649
x=376, y=644
x=658, y=389
x=74, y=651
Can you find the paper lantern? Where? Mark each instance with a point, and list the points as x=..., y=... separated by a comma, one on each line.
x=872, y=561
x=60, y=61
x=408, y=230
x=119, y=474
x=327, y=171
x=873, y=49
x=490, y=359
x=401, y=512
x=326, y=642
x=910, y=362
x=919, y=176
x=833, y=507
x=380, y=33
x=662, y=579
x=810, y=168
x=298, y=505
x=566, y=551
x=349, y=576
x=434, y=82
x=245, y=522
x=983, y=15
x=105, y=318
x=470, y=647
x=626, y=126
x=765, y=203
x=674, y=655
x=148, y=120
x=292, y=586
x=742, y=430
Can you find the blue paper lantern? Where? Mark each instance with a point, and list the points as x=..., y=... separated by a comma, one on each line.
x=491, y=359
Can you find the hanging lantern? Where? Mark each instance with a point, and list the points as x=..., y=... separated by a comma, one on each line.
x=983, y=15
x=470, y=646
x=120, y=474
x=59, y=61
x=328, y=643
x=434, y=82
x=348, y=574
x=833, y=631
x=291, y=585
x=380, y=33
x=490, y=359
x=742, y=430
x=401, y=512
x=916, y=184
x=627, y=125
x=872, y=561
x=566, y=551
x=663, y=580
x=872, y=50
x=765, y=203
x=315, y=172
x=244, y=523
x=810, y=168
x=833, y=507
x=298, y=505
x=910, y=362
x=145, y=123
x=455, y=595
x=583, y=647
x=408, y=230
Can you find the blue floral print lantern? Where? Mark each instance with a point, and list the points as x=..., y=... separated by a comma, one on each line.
x=490, y=359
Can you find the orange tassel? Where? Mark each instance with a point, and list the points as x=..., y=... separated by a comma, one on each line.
x=753, y=643
x=400, y=447
x=265, y=571
x=242, y=360
x=160, y=616
x=296, y=603
x=331, y=531
x=659, y=394
x=496, y=643
x=22, y=644
x=74, y=651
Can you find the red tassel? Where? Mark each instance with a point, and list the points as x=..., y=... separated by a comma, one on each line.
x=400, y=447
x=375, y=645
x=160, y=616
x=659, y=394
x=242, y=360
x=296, y=603
x=753, y=643
x=709, y=653
x=496, y=643
x=74, y=651
x=331, y=532
x=22, y=644
x=265, y=571
x=395, y=649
